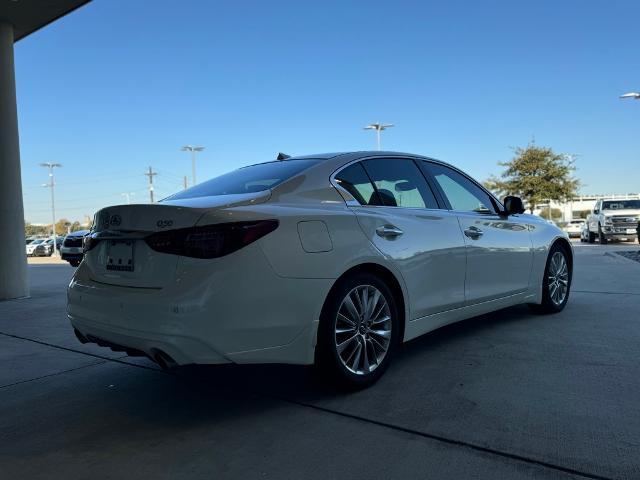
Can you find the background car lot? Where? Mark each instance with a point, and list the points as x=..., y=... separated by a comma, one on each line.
x=507, y=395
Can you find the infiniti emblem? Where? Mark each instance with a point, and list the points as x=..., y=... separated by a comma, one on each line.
x=115, y=220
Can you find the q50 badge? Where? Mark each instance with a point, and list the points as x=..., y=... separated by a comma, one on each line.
x=164, y=223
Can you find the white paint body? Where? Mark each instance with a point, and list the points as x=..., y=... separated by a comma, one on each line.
x=263, y=302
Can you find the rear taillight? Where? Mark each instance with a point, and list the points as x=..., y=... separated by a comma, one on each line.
x=210, y=241
x=89, y=242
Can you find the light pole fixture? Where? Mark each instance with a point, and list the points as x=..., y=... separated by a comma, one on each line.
x=193, y=149
x=378, y=127
x=52, y=185
x=634, y=95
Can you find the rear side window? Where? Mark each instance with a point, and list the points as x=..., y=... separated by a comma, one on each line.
x=355, y=181
x=399, y=183
x=254, y=178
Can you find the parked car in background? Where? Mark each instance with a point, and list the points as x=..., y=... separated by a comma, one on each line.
x=31, y=246
x=574, y=228
x=332, y=259
x=584, y=232
x=45, y=249
x=614, y=220
x=71, y=249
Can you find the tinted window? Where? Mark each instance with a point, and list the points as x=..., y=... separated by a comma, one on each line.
x=399, y=183
x=255, y=178
x=462, y=193
x=355, y=181
x=620, y=204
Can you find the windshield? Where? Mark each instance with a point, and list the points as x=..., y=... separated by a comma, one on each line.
x=255, y=178
x=620, y=204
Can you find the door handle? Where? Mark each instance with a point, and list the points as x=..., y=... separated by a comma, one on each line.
x=473, y=232
x=386, y=231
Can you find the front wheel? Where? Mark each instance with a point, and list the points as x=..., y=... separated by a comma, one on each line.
x=358, y=331
x=556, y=283
x=601, y=236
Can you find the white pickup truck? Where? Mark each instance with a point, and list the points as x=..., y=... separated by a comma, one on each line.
x=614, y=220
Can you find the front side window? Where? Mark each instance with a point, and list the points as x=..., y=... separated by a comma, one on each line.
x=254, y=178
x=462, y=194
x=399, y=183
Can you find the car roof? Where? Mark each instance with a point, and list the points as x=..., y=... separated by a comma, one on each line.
x=355, y=154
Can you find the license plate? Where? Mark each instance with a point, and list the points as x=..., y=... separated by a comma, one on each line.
x=631, y=230
x=120, y=255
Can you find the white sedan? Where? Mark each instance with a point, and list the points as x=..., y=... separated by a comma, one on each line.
x=574, y=228
x=330, y=259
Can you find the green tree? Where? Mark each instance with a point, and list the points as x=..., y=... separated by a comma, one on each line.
x=61, y=226
x=75, y=226
x=556, y=213
x=537, y=175
x=30, y=229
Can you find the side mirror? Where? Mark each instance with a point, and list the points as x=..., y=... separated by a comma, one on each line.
x=513, y=205
x=596, y=211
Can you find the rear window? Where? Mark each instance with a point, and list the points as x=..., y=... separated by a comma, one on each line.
x=254, y=178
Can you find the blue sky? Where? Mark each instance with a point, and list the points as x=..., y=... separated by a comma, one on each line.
x=118, y=85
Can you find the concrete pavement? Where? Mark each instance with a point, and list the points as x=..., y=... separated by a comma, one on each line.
x=506, y=395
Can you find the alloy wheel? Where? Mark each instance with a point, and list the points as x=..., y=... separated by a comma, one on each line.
x=363, y=329
x=558, y=278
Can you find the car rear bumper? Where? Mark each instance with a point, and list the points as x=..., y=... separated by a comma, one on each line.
x=182, y=350
x=236, y=311
x=71, y=256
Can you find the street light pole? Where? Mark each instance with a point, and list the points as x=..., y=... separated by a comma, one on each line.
x=52, y=185
x=150, y=174
x=378, y=127
x=193, y=149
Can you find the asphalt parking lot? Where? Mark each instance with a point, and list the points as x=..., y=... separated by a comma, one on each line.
x=507, y=395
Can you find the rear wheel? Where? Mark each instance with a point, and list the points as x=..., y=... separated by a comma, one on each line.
x=556, y=283
x=358, y=331
x=591, y=237
x=74, y=263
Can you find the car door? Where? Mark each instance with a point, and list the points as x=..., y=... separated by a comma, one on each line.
x=499, y=248
x=399, y=214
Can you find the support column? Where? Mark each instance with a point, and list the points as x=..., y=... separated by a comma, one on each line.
x=14, y=282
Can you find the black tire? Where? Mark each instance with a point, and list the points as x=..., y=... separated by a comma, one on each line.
x=74, y=263
x=601, y=237
x=591, y=237
x=548, y=305
x=328, y=360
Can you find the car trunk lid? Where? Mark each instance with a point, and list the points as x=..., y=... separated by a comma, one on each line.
x=122, y=257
